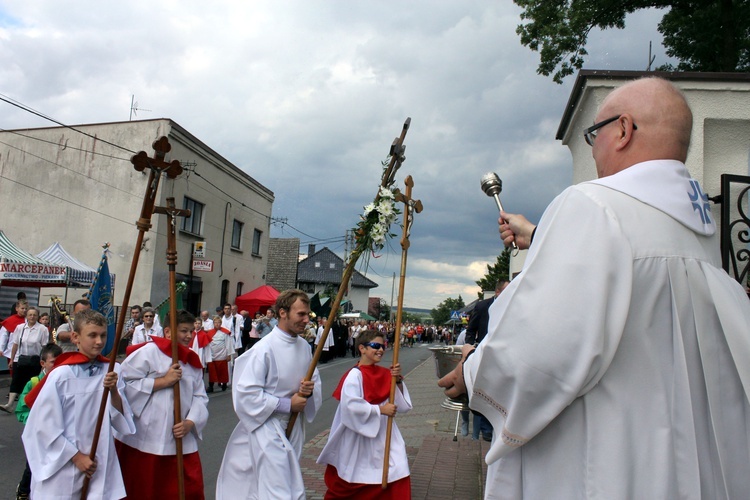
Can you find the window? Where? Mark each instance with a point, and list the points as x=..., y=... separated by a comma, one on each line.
x=224, y=292
x=331, y=265
x=237, y=234
x=239, y=289
x=193, y=223
x=256, y=241
x=307, y=287
x=317, y=264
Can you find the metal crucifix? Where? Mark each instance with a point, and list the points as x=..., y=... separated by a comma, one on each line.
x=156, y=166
x=172, y=213
x=410, y=206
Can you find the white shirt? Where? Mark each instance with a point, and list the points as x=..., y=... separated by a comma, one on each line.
x=30, y=338
x=141, y=334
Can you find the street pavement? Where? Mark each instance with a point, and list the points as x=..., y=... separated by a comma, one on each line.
x=440, y=467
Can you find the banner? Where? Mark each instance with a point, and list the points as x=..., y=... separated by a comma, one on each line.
x=101, y=299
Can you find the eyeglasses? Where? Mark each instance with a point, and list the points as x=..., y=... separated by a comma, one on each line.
x=590, y=133
x=375, y=345
x=148, y=315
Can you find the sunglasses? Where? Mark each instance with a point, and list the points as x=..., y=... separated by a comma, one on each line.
x=375, y=345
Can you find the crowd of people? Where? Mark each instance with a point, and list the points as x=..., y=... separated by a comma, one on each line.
x=265, y=357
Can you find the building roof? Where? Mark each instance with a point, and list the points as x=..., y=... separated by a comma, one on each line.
x=324, y=266
x=585, y=74
x=283, y=258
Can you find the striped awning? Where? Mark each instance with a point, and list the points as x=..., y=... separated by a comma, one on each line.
x=20, y=268
x=79, y=274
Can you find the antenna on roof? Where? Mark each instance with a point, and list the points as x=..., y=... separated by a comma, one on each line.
x=134, y=107
x=650, y=57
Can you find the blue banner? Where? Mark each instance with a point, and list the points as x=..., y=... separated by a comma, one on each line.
x=101, y=300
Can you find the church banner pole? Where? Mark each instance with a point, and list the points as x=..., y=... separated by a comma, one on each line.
x=410, y=207
x=370, y=235
x=172, y=213
x=156, y=167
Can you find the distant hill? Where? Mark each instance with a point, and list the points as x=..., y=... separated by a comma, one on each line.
x=416, y=310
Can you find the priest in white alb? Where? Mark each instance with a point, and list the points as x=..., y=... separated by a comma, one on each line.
x=259, y=461
x=617, y=364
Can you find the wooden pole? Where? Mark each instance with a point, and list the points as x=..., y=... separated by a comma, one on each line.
x=171, y=212
x=396, y=153
x=329, y=322
x=410, y=206
x=156, y=167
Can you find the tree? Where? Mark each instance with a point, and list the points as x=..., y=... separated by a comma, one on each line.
x=499, y=271
x=705, y=35
x=442, y=313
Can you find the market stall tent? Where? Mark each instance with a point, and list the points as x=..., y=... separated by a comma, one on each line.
x=19, y=268
x=79, y=275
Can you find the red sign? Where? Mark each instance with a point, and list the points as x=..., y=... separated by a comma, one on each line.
x=203, y=265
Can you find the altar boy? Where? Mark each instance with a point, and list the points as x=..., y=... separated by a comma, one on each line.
x=149, y=457
x=61, y=424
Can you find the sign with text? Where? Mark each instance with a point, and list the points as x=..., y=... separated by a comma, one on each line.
x=199, y=249
x=203, y=265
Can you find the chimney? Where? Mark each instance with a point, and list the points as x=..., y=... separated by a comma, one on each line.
x=310, y=249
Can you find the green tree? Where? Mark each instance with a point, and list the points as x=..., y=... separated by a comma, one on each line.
x=442, y=313
x=499, y=270
x=704, y=35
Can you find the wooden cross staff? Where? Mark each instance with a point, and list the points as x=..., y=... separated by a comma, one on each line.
x=172, y=213
x=156, y=167
x=396, y=153
x=410, y=206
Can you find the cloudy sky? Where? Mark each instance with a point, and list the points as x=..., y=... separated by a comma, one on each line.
x=307, y=96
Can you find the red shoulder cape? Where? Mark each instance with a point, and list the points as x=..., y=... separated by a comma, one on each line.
x=11, y=322
x=211, y=333
x=376, y=383
x=66, y=358
x=165, y=346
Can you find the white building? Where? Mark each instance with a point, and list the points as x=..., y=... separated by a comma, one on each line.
x=720, y=142
x=76, y=185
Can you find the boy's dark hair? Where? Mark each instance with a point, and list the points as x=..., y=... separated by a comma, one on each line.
x=366, y=336
x=88, y=317
x=48, y=350
x=83, y=302
x=183, y=317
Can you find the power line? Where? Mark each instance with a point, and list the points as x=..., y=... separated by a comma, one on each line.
x=19, y=105
x=63, y=147
x=186, y=165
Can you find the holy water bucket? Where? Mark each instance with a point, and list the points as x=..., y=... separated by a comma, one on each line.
x=446, y=359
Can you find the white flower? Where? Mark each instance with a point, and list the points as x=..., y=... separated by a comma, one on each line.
x=386, y=193
x=369, y=208
x=385, y=207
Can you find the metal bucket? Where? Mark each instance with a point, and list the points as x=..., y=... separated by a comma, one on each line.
x=446, y=360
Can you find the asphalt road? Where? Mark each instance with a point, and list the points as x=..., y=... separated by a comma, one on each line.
x=222, y=421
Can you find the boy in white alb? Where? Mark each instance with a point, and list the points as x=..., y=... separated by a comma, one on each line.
x=355, y=449
x=148, y=458
x=61, y=424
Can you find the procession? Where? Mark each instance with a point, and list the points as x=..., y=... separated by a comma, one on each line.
x=549, y=299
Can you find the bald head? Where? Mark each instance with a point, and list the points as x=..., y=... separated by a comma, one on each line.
x=655, y=124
